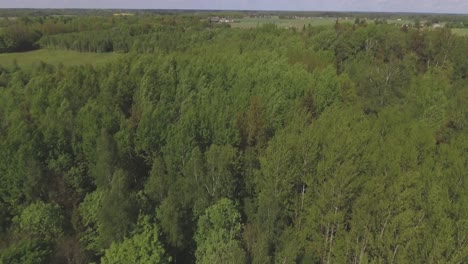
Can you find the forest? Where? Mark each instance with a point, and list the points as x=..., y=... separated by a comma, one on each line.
x=204, y=143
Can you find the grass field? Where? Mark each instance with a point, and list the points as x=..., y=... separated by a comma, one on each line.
x=460, y=31
x=299, y=23
x=399, y=22
x=285, y=23
x=25, y=59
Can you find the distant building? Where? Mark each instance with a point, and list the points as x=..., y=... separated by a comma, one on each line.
x=224, y=20
x=437, y=25
x=220, y=20
x=123, y=14
x=214, y=19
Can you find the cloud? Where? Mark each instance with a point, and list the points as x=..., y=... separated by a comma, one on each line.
x=438, y=6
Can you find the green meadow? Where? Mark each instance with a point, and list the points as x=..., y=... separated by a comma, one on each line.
x=55, y=57
x=282, y=22
x=248, y=22
x=460, y=31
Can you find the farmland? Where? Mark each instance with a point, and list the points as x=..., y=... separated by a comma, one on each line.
x=299, y=22
x=248, y=22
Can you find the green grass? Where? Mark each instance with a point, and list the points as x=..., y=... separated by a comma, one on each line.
x=299, y=23
x=460, y=31
x=285, y=23
x=55, y=57
x=400, y=22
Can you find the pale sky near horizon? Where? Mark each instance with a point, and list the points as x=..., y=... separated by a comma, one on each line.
x=436, y=6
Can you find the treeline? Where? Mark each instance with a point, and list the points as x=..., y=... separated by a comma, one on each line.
x=266, y=145
x=457, y=24
x=33, y=12
x=91, y=34
x=114, y=41
x=162, y=36
x=21, y=34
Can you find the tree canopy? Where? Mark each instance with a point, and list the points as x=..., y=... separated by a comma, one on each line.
x=210, y=144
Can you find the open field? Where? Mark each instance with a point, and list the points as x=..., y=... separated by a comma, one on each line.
x=55, y=57
x=285, y=23
x=399, y=22
x=460, y=31
x=300, y=22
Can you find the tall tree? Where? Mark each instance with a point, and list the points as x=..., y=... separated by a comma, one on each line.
x=218, y=234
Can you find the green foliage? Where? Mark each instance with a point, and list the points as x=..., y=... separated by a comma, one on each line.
x=220, y=179
x=18, y=37
x=156, y=185
x=212, y=144
x=27, y=252
x=143, y=246
x=118, y=213
x=41, y=220
x=218, y=234
x=89, y=210
x=327, y=89
x=104, y=168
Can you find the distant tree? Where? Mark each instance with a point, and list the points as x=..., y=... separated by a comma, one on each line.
x=253, y=123
x=103, y=169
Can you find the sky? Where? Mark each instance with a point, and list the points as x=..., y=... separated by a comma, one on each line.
x=435, y=6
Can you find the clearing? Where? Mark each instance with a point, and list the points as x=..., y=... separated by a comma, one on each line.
x=284, y=22
x=460, y=31
x=25, y=59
